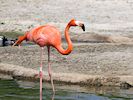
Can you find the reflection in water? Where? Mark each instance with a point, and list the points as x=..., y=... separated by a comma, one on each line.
x=12, y=90
x=52, y=98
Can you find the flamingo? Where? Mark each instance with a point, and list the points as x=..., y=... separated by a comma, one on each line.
x=48, y=35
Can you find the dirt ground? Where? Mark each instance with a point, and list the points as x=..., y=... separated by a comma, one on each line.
x=93, y=59
x=99, y=16
x=87, y=58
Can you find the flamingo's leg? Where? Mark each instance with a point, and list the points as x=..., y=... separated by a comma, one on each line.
x=50, y=71
x=41, y=74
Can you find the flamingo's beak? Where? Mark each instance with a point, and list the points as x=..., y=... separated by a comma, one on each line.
x=83, y=27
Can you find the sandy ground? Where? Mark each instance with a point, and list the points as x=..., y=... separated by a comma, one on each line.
x=100, y=16
x=104, y=50
x=112, y=62
x=98, y=59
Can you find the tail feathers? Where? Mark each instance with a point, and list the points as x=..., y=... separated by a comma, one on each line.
x=20, y=39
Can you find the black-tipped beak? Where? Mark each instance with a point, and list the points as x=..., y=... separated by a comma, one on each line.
x=83, y=27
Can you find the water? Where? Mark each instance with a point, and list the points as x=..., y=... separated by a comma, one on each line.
x=18, y=90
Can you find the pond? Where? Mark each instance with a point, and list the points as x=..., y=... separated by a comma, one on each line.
x=19, y=90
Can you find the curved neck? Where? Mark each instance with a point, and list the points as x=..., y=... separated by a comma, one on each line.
x=70, y=47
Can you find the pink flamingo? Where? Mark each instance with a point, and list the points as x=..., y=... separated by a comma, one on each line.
x=48, y=35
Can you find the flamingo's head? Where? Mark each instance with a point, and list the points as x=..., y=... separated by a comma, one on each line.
x=74, y=22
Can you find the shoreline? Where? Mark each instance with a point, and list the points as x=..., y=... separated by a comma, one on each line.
x=28, y=74
x=90, y=64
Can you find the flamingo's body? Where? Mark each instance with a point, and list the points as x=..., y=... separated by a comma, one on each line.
x=48, y=35
x=45, y=36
